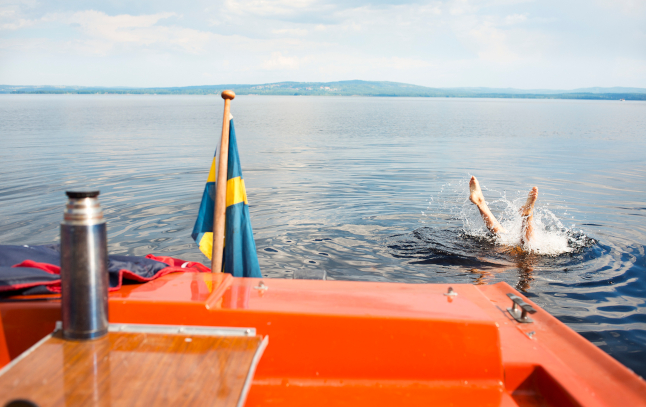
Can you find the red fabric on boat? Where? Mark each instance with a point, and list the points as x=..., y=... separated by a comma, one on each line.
x=173, y=262
x=54, y=286
x=50, y=268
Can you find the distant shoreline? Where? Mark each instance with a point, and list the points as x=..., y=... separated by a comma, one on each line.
x=345, y=88
x=612, y=96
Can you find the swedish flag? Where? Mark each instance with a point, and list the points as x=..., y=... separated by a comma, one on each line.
x=240, y=258
x=203, y=229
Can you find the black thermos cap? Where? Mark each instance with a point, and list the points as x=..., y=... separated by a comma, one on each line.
x=81, y=194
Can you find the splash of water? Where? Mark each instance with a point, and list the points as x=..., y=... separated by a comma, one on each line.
x=550, y=238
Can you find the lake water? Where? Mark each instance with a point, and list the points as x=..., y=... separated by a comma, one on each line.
x=366, y=188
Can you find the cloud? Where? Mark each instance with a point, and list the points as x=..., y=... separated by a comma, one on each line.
x=280, y=62
x=515, y=19
x=405, y=63
x=478, y=42
x=138, y=30
x=17, y=24
x=269, y=7
x=10, y=20
x=490, y=43
x=459, y=7
x=116, y=27
x=291, y=31
x=24, y=44
x=102, y=32
x=628, y=7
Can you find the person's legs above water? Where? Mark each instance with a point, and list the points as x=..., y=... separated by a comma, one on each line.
x=478, y=199
x=527, y=212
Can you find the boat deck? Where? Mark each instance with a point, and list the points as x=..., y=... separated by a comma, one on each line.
x=134, y=369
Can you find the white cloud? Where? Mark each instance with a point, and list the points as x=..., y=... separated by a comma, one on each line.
x=17, y=24
x=460, y=7
x=291, y=31
x=405, y=63
x=23, y=44
x=279, y=62
x=629, y=7
x=269, y=7
x=10, y=19
x=491, y=43
x=475, y=42
x=431, y=9
x=103, y=32
x=101, y=24
x=515, y=19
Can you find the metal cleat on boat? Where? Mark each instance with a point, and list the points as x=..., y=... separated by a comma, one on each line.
x=520, y=315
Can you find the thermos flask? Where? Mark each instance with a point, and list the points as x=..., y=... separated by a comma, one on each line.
x=84, y=267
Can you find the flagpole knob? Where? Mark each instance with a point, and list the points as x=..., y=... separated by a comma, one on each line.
x=228, y=94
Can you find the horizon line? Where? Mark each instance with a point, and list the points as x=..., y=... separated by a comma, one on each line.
x=315, y=82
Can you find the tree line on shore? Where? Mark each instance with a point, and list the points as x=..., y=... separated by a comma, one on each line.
x=343, y=88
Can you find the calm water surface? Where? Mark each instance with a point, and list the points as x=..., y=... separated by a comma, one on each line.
x=365, y=188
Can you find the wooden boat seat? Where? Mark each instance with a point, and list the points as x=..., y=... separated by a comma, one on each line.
x=132, y=367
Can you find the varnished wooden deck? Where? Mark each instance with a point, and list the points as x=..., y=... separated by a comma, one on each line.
x=134, y=369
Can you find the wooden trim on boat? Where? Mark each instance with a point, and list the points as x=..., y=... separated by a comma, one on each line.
x=252, y=371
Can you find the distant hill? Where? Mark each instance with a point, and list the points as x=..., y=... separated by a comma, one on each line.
x=346, y=88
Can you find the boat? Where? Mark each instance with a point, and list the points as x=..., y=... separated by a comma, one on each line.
x=332, y=343
x=196, y=338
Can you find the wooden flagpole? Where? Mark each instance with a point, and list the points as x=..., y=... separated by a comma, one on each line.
x=221, y=187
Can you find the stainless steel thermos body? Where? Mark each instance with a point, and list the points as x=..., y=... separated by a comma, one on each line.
x=84, y=267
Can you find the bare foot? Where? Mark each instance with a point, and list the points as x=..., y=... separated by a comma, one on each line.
x=527, y=209
x=476, y=193
x=526, y=212
x=478, y=199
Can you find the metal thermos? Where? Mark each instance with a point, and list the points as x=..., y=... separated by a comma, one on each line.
x=84, y=267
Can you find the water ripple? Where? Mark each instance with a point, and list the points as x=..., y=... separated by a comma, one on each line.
x=365, y=188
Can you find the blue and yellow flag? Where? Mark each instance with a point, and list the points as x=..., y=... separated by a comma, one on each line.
x=203, y=229
x=240, y=258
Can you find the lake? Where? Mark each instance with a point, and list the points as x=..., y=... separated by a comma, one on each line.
x=372, y=189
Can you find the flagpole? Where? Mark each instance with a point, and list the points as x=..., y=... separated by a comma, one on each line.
x=221, y=187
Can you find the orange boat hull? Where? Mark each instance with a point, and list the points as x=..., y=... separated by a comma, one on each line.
x=349, y=343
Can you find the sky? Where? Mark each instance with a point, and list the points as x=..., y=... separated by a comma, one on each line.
x=545, y=44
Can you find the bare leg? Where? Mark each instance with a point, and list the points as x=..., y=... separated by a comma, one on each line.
x=478, y=199
x=527, y=212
